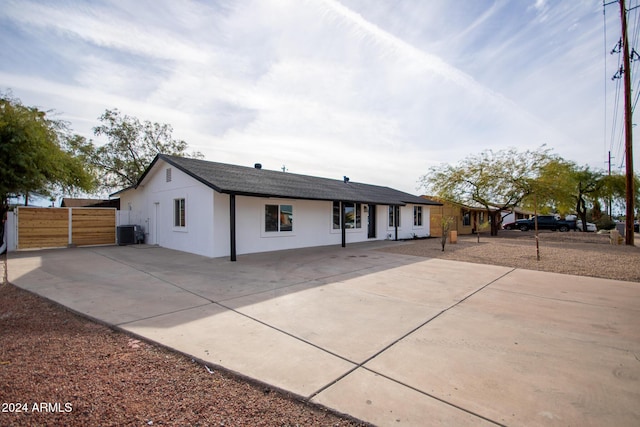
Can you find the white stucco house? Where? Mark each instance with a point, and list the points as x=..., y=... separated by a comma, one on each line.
x=216, y=209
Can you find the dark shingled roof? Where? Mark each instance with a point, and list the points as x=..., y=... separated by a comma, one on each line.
x=69, y=202
x=248, y=181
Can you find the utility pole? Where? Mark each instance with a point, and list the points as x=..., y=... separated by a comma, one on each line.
x=609, y=199
x=628, y=139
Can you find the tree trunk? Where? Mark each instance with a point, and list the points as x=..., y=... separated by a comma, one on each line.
x=581, y=209
x=495, y=223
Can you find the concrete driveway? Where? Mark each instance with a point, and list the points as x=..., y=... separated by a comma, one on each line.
x=390, y=339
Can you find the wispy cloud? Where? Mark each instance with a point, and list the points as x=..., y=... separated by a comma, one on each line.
x=375, y=90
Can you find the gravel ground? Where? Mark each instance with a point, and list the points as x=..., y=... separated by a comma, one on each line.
x=88, y=374
x=583, y=254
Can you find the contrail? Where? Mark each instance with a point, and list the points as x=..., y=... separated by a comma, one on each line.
x=389, y=41
x=393, y=44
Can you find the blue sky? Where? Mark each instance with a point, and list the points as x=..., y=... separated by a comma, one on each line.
x=375, y=90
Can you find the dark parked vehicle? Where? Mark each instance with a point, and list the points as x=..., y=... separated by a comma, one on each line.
x=510, y=226
x=545, y=222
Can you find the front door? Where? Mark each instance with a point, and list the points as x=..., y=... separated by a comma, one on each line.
x=371, y=234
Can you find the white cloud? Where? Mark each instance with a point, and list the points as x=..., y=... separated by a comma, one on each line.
x=375, y=90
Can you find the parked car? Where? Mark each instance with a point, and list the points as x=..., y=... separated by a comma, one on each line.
x=546, y=222
x=510, y=226
x=636, y=227
x=590, y=226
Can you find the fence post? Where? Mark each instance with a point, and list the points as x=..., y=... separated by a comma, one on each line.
x=70, y=227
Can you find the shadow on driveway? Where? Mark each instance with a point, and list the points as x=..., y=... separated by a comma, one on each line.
x=386, y=338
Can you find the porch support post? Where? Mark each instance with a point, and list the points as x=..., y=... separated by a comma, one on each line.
x=232, y=225
x=396, y=215
x=343, y=225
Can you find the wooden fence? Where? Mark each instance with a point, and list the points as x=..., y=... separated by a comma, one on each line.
x=62, y=227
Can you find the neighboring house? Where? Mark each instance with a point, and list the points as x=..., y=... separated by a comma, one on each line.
x=466, y=219
x=69, y=202
x=215, y=209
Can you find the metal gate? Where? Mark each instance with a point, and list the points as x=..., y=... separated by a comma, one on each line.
x=64, y=227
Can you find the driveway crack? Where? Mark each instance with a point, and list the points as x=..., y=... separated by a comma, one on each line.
x=361, y=364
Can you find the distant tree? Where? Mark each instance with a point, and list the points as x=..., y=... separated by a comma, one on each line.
x=571, y=188
x=564, y=187
x=587, y=185
x=614, y=191
x=130, y=148
x=596, y=211
x=553, y=190
x=35, y=156
x=497, y=180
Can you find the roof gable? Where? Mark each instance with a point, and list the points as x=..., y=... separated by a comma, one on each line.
x=242, y=180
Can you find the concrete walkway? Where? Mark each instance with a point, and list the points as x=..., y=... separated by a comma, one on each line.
x=390, y=339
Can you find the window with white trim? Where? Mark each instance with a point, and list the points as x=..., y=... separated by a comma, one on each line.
x=394, y=216
x=179, y=213
x=417, y=216
x=352, y=215
x=278, y=218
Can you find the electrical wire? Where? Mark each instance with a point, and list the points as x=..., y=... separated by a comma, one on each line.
x=606, y=76
x=616, y=144
x=634, y=42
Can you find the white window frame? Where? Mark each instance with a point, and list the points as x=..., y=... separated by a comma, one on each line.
x=418, y=209
x=357, y=210
x=279, y=232
x=396, y=218
x=182, y=226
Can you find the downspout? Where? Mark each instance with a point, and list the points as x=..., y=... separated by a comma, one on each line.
x=343, y=225
x=232, y=225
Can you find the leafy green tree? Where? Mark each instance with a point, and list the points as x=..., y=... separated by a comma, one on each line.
x=614, y=191
x=552, y=190
x=565, y=187
x=131, y=146
x=587, y=185
x=496, y=180
x=35, y=156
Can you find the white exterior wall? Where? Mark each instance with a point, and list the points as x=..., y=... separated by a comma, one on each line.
x=407, y=229
x=207, y=230
x=312, y=225
x=152, y=206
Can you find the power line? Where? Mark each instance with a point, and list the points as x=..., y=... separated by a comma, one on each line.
x=604, y=24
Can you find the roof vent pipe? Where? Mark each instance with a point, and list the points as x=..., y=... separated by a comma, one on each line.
x=258, y=165
x=346, y=179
